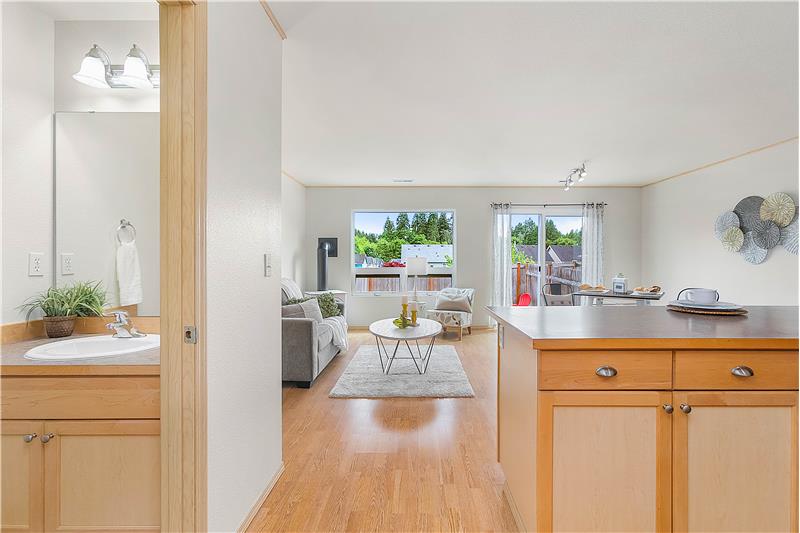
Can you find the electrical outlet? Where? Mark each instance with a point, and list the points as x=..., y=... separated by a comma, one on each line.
x=36, y=264
x=267, y=265
x=67, y=264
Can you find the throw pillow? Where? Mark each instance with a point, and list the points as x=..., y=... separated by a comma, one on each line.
x=311, y=310
x=292, y=301
x=328, y=305
x=453, y=302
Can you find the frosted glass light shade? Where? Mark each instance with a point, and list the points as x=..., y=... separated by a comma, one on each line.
x=134, y=73
x=92, y=73
x=417, y=266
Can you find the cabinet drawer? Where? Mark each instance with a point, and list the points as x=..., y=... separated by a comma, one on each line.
x=64, y=398
x=580, y=370
x=772, y=370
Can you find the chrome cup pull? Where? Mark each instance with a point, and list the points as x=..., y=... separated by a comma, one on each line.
x=606, y=371
x=29, y=437
x=742, y=371
x=686, y=408
x=668, y=408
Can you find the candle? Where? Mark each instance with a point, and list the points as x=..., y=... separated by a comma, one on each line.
x=413, y=306
x=404, y=299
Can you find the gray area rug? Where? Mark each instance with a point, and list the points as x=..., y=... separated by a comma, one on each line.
x=363, y=377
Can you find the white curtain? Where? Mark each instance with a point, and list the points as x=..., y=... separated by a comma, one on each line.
x=501, y=254
x=592, y=247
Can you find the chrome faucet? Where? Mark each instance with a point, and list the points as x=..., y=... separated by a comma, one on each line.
x=119, y=326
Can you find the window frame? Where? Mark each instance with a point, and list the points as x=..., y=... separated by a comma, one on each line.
x=403, y=277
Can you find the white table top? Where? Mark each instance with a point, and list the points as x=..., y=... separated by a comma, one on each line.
x=387, y=330
x=332, y=291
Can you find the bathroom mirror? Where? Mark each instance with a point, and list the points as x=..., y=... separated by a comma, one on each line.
x=107, y=205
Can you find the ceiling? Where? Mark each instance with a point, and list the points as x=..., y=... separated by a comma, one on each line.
x=100, y=10
x=516, y=94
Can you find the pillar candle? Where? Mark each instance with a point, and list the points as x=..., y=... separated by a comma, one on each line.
x=404, y=299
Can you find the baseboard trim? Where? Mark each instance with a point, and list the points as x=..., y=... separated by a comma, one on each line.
x=514, y=510
x=261, y=499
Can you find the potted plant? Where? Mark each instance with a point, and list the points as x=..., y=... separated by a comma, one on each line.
x=62, y=305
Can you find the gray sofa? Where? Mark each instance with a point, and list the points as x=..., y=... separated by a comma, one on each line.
x=307, y=346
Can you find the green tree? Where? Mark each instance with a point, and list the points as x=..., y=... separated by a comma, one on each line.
x=551, y=233
x=403, y=224
x=445, y=225
x=388, y=249
x=432, y=228
x=388, y=229
x=526, y=232
x=419, y=223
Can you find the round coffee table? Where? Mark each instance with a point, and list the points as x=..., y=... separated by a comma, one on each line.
x=385, y=330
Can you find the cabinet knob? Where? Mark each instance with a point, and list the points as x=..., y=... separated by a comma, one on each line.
x=686, y=408
x=606, y=371
x=742, y=371
x=668, y=408
x=29, y=437
x=46, y=437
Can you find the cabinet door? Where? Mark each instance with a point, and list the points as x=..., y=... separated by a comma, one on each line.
x=102, y=475
x=604, y=461
x=735, y=460
x=21, y=499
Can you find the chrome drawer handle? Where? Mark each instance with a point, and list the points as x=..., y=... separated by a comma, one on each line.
x=46, y=437
x=686, y=408
x=606, y=371
x=742, y=371
x=29, y=437
x=668, y=408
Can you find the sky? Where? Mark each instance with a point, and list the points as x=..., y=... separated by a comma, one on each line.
x=373, y=222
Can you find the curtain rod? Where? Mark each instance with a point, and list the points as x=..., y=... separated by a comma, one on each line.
x=603, y=204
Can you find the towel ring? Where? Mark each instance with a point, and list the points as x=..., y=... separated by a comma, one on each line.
x=123, y=225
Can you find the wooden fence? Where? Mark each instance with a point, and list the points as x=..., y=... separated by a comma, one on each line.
x=525, y=278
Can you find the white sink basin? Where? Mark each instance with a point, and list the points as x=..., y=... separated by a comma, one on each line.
x=91, y=347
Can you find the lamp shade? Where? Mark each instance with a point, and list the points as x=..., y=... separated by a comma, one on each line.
x=136, y=70
x=416, y=266
x=92, y=72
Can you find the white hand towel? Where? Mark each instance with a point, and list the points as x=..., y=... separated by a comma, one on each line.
x=129, y=274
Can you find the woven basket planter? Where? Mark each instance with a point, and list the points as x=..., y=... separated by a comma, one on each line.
x=59, y=326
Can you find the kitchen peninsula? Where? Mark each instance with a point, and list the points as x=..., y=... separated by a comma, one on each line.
x=643, y=419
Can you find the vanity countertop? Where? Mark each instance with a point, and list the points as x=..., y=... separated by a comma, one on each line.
x=13, y=362
x=631, y=327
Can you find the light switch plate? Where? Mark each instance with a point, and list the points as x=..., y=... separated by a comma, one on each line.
x=67, y=264
x=35, y=264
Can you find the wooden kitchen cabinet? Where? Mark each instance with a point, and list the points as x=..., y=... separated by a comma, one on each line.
x=102, y=475
x=605, y=461
x=735, y=461
x=21, y=464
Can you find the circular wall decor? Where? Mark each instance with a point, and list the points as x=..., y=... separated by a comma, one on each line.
x=789, y=237
x=749, y=212
x=732, y=239
x=750, y=251
x=766, y=234
x=726, y=220
x=779, y=208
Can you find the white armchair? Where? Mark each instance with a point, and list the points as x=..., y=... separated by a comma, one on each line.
x=453, y=309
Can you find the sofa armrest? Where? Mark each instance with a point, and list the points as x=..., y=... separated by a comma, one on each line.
x=340, y=305
x=299, y=349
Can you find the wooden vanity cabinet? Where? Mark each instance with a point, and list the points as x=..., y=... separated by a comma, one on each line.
x=94, y=466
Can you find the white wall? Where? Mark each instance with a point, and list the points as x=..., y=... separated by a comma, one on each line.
x=294, y=244
x=27, y=107
x=330, y=211
x=107, y=169
x=74, y=38
x=244, y=329
x=679, y=248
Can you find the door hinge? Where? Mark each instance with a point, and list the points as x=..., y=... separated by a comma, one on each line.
x=189, y=334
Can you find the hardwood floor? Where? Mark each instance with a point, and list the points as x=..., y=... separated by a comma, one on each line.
x=391, y=465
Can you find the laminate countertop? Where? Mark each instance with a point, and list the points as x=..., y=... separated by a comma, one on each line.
x=13, y=362
x=632, y=327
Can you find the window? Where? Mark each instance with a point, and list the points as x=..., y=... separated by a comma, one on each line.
x=384, y=240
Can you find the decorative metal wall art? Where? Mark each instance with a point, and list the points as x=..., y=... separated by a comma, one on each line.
x=757, y=225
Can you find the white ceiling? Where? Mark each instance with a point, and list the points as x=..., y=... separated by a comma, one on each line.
x=100, y=10
x=518, y=93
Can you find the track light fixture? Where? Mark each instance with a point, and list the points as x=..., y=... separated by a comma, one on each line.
x=576, y=175
x=137, y=72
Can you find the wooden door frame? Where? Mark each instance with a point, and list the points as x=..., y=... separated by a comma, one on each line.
x=183, y=28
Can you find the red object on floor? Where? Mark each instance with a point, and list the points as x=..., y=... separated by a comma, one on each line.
x=524, y=300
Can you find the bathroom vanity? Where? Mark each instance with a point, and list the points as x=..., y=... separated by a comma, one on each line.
x=80, y=442
x=641, y=419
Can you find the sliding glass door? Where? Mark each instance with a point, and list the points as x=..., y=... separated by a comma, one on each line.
x=545, y=255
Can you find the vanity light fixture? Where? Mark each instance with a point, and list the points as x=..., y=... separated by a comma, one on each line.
x=576, y=175
x=95, y=68
x=137, y=72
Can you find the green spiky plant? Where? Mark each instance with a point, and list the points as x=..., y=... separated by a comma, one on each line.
x=81, y=299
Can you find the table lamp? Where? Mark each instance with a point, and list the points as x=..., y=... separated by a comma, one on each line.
x=416, y=266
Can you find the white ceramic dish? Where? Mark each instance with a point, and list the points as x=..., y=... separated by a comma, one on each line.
x=722, y=306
